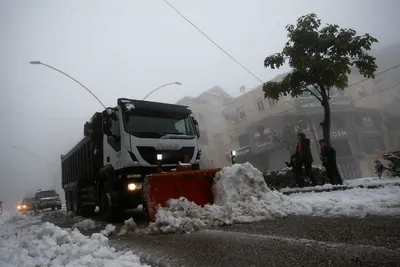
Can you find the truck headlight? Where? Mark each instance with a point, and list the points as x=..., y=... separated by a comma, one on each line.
x=134, y=186
x=159, y=156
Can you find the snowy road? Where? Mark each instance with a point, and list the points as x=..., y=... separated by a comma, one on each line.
x=292, y=241
x=356, y=227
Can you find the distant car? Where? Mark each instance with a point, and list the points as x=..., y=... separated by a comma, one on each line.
x=1, y=207
x=27, y=204
x=48, y=199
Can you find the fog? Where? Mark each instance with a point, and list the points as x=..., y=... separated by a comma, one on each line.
x=128, y=48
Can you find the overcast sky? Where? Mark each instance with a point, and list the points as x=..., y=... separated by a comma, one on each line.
x=126, y=49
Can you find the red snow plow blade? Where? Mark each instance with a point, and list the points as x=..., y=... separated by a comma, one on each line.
x=193, y=185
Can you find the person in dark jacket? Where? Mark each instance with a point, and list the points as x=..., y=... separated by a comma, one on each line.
x=328, y=158
x=303, y=158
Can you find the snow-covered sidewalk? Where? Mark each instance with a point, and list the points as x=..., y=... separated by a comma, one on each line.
x=370, y=182
x=242, y=196
x=26, y=241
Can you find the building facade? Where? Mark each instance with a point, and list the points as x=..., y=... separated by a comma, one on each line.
x=207, y=109
x=361, y=127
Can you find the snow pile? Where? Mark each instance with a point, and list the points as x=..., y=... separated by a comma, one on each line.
x=110, y=229
x=241, y=196
x=128, y=227
x=44, y=244
x=372, y=181
x=11, y=216
x=357, y=202
x=87, y=224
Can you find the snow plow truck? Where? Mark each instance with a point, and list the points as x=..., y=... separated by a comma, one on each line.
x=137, y=153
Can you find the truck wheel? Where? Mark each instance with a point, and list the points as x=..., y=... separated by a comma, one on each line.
x=53, y=208
x=76, y=206
x=88, y=210
x=109, y=213
x=68, y=201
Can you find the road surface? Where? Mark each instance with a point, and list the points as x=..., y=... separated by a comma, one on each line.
x=292, y=241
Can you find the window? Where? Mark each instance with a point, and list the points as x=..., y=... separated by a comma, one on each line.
x=260, y=105
x=272, y=102
x=42, y=194
x=240, y=113
x=339, y=123
x=144, y=126
x=373, y=144
x=367, y=121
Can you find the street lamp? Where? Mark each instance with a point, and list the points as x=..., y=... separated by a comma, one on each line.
x=42, y=160
x=87, y=89
x=233, y=156
x=158, y=88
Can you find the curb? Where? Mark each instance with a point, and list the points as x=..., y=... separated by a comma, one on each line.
x=339, y=188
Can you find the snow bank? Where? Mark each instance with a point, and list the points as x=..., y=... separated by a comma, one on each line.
x=242, y=196
x=357, y=202
x=128, y=227
x=45, y=244
x=110, y=229
x=371, y=181
x=87, y=224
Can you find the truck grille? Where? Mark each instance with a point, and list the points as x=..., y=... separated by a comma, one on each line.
x=149, y=154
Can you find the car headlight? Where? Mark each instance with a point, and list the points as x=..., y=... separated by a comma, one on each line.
x=19, y=207
x=24, y=206
x=134, y=186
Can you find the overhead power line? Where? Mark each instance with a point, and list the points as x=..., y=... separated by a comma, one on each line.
x=212, y=41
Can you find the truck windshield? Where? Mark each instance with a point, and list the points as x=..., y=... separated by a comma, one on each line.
x=50, y=193
x=155, y=127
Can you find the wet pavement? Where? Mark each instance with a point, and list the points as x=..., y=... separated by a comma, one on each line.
x=292, y=241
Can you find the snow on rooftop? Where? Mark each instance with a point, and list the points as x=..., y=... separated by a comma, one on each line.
x=24, y=242
x=242, y=196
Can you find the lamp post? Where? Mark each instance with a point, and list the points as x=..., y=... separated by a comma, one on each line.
x=233, y=155
x=158, y=88
x=42, y=160
x=72, y=78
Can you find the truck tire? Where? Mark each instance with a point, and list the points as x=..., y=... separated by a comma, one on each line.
x=109, y=212
x=88, y=210
x=76, y=203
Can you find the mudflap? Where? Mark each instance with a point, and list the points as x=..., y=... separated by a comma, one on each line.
x=195, y=185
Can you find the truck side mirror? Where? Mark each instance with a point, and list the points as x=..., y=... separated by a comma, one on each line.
x=114, y=116
x=196, y=124
x=86, y=129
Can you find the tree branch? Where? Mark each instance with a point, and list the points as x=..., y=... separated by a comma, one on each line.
x=317, y=89
x=314, y=94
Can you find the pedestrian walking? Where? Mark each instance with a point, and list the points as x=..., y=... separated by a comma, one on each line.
x=328, y=158
x=303, y=158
